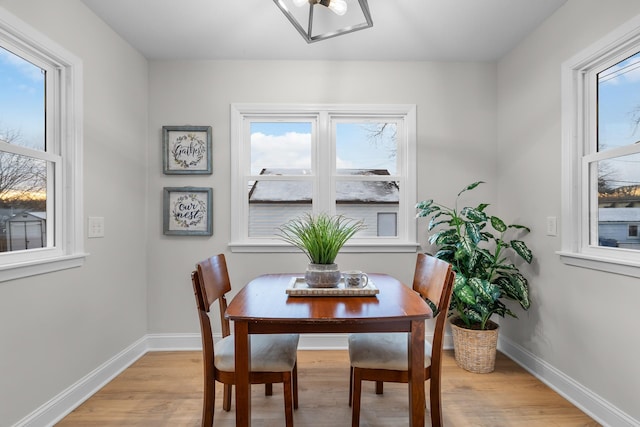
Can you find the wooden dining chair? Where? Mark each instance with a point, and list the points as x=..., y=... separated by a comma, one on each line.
x=273, y=357
x=382, y=357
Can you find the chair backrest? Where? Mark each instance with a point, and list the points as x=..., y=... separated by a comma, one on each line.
x=213, y=278
x=433, y=279
x=430, y=280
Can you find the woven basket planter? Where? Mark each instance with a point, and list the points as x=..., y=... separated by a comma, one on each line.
x=475, y=350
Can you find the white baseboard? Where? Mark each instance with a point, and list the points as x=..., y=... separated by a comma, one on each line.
x=66, y=401
x=589, y=402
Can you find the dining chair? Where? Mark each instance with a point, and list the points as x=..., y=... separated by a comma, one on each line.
x=273, y=356
x=383, y=357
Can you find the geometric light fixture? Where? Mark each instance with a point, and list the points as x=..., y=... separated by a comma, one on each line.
x=318, y=20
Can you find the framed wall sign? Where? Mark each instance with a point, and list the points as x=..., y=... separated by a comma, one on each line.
x=186, y=150
x=187, y=211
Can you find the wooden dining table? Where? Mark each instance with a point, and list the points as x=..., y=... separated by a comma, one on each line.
x=264, y=307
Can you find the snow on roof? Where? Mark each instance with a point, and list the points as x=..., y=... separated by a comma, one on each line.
x=619, y=215
x=297, y=191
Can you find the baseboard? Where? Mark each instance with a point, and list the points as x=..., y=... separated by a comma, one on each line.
x=174, y=342
x=66, y=401
x=589, y=402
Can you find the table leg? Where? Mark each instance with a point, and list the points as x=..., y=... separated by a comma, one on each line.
x=416, y=374
x=243, y=367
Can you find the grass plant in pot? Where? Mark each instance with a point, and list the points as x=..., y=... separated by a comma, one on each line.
x=320, y=237
x=482, y=249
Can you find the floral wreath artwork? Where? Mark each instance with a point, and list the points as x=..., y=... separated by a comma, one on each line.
x=187, y=149
x=187, y=211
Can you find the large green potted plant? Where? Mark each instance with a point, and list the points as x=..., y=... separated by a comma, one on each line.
x=482, y=250
x=320, y=237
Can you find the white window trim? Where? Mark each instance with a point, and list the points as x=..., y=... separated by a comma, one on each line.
x=67, y=138
x=577, y=118
x=406, y=242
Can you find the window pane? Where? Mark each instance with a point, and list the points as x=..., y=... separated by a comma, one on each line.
x=387, y=224
x=619, y=104
x=272, y=203
x=619, y=201
x=23, y=202
x=285, y=146
x=366, y=200
x=22, y=102
x=367, y=146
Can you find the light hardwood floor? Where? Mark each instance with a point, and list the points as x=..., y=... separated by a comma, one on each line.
x=165, y=389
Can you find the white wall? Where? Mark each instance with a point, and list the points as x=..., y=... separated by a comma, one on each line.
x=58, y=327
x=582, y=322
x=456, y=118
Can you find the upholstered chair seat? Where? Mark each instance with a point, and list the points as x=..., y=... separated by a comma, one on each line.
x=383, y=351
x=269, y=353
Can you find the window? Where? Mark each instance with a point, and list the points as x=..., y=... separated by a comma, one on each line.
x=357, y=161
x=601, y=154
x=40, y=152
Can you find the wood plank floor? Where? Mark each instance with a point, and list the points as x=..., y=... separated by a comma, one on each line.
x=165, y=389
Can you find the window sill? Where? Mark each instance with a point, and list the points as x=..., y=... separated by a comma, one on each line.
x=351, y=248
x=41, y=266
x=596, y=262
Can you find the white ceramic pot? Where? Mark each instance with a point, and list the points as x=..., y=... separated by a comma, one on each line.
x=322, y=275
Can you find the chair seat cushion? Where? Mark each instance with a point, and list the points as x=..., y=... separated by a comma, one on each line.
x=382, y=351
x=269, y=353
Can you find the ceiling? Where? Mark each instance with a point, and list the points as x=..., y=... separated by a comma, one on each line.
x=406, y=30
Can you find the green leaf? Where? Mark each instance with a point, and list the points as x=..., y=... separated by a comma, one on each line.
x=466, y=295
x=459, y=282
x=473, y=232
x=482, y=206
x=521, y=249
x=424, y=204
x=473, y=315
x=470, y=187
x=520, y=227
x=522, y=287
x=433, y=222
x=498, y=224
x=444, y=237
x=515, y=287
x=507, y=287
x=428, y=210
x=445, y=254
x=474, y=215
x=485, y=290
x=467, y=245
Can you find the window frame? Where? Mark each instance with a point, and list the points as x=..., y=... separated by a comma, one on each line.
x=323, y=114
x=579, y=152
x=63, y=150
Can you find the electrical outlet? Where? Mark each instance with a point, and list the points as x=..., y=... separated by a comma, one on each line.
x=95, y=227
x=552, y=226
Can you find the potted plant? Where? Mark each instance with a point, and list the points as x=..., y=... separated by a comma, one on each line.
x=320, y=237
x=481, y=250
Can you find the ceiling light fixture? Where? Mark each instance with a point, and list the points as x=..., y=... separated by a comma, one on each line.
x=319, y=23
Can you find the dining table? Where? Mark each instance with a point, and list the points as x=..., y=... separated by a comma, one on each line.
x=264, y=306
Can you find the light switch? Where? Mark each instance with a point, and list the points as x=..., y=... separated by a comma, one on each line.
x=95, y=227
x=552, y=226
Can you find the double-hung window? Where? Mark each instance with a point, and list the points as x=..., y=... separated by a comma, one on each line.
x=40, y=153
x=352, y=160
x=601, y=154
